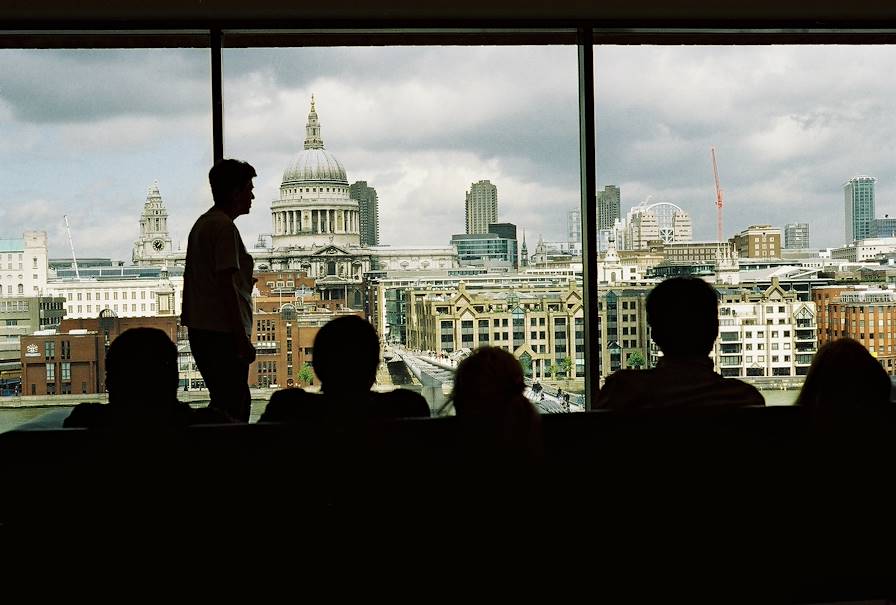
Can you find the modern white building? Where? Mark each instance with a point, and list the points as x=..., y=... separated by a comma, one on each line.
x=864, y=249
x=126, y=297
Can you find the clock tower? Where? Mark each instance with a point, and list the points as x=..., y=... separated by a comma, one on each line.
x=154, y=244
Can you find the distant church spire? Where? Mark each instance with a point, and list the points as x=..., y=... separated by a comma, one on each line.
x=312, y=130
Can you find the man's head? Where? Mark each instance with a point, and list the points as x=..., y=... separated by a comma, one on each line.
x=346, y=355
x=141, y=368
x=231, y=183
x=683, y=313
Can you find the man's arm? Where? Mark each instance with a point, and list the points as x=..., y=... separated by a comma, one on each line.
x=230, y=298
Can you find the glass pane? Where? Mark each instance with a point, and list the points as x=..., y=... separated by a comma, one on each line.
x=441, y=175
x=794, y=229
x=119, y=141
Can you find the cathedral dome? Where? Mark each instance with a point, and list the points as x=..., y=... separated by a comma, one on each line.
x=314, y=164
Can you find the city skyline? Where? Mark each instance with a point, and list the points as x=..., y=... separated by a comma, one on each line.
x=89, y=131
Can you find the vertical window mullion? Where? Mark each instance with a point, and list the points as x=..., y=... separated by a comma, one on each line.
x=215, y=37
x=588, y=192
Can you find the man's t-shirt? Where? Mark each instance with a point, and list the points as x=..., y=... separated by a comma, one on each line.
x=215, y=246
x=675, y=384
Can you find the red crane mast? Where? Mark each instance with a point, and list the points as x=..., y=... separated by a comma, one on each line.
x=719, y=199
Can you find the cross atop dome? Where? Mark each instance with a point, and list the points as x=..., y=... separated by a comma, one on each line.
x=312, y=130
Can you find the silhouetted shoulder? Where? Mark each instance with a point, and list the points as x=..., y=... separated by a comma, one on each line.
x=675, y=387
x=401, y=403
x=742, y=393
x=166, y=415
x=289, y=405
x=86, y=415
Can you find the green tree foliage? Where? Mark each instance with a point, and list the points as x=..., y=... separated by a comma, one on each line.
x=306, y=374
x=636, y=360
x=566, y=365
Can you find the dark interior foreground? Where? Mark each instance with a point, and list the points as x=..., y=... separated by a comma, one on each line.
x=762, y=503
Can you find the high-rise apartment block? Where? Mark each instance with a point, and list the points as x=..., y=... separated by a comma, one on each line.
x=369, y=214
x=608, y=207
x=858, y=200
x=481, y=207
x=796, y=236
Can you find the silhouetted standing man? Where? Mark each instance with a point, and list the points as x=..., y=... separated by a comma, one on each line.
x=217, y=305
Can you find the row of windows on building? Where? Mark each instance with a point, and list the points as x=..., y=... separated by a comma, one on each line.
x=65, y=350
x=65, y=371
x=315, y=190
x=65, y=388
x=12, y=306
x=19, y=260
x=72, y=296
x=9, y=278
x=116, y=308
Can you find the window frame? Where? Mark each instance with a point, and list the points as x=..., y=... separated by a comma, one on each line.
x=51, y=25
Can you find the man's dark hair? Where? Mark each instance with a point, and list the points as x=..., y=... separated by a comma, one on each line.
x=228, y=176
x=141, y=366
x=346, y=355
x=683, y=313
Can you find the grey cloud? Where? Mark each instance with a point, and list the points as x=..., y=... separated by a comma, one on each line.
x=49, y=86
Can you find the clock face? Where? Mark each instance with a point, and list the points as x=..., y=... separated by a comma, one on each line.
x=158, y=245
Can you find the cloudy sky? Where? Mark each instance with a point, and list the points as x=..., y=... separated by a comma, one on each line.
x=85, y=133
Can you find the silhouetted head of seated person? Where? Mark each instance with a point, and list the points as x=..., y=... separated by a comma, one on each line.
x=845, y=378
x=683, y=313
x=142, y=381
x=489, y=394
x=346, y=356
x=345, y=359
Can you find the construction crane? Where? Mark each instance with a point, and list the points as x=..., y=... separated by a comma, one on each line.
x=719, y=199
x=68, y=229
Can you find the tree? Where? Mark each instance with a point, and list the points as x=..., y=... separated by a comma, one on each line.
x=636, y=360
x=553, y=370
x=306, y=374
x=566, y=365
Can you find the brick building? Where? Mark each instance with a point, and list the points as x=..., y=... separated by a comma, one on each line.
x=863, y=313
x=284, y=342
x=69, y=362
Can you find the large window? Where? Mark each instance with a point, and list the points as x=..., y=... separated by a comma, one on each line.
x=796, y=135
x=415, y=166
